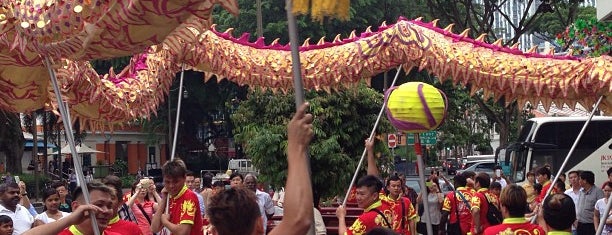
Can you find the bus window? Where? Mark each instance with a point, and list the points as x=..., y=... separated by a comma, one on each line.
x=540, y=160
x=515, y=159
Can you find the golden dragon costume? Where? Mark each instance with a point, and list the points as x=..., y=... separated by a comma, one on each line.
x=165, y=34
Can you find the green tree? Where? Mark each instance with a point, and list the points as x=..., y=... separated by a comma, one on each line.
x=342, y=122
x=11, y=141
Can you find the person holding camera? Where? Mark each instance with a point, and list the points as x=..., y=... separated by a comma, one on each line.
x=143, y=203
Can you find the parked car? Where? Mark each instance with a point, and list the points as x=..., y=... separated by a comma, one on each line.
x=452, y=165
x=413, y=182
x=470, y=163
x=486, y=166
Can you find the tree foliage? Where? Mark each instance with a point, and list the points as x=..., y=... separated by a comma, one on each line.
x=342, y=122
x=11, y=140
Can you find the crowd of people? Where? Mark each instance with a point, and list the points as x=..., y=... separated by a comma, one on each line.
x=476, y=204
x=479, y=203
x=179, y=206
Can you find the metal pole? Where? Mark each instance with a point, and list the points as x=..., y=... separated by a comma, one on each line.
x=169, y=139
x=603, y=219
x=178, y=112
x=382, y=110
x=296, y=67
x=295, y=57
x=418, y=149
x=70, y=137
x=259, y=19
x=586, y=124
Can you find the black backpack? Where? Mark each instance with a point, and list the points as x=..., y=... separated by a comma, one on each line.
x=494, y=216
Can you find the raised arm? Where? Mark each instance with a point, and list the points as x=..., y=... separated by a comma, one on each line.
x=80, y=214
x=298, y=205
x=372, y=168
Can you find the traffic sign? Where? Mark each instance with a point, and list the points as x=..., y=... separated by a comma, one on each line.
x=427, y=138
x=392, y=140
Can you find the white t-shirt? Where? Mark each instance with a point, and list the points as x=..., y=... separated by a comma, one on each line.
x=265, y=205
x=601, y=206
x=574, y=195
x=46, y=219
x=22, y=219
x=501, y=181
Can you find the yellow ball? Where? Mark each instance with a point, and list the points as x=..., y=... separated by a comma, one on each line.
x=415, y=107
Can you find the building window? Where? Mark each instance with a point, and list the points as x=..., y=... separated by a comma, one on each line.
x=121, y=150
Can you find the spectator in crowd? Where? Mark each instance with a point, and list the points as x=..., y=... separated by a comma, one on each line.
x=559, y=186
x=206, y=192
x=189, y=180
x=184, y=213
x=65, y=203
x=25, y=200
x=236, y=180
x=498, y=176
x=319, y=224
x=456, y=208
x=79, y=221
x=264, y=201
x=558, y=213
x=574, y=190
x=609, y=177
x=528, y=186
x=600, y=208
x=239, y=206
x=72, y=179
x=143, y=203
x=117, y=224
x=9, y=205
x=51, y=210
x=543, y=177
x=586, y=203
x=564, y=179
x=513, y=202
x=435, y=200
x=217, y=187
x=482, y=200
x=6, y=225
x=279, y=197
x=197, y=185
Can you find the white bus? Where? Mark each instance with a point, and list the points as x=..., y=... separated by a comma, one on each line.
x=546, y=141
x=477, y=158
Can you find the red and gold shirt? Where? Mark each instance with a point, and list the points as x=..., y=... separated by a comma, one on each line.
x=409, y=213
x=452, y=202
x=545, y=186
x=515, y=226
x=185, y=209
x=72, y=230
x=479, y=201
x=371, y=219
x=352, y=195
x=120, y=226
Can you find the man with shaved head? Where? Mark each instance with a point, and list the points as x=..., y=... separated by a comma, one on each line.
x=266, y=207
